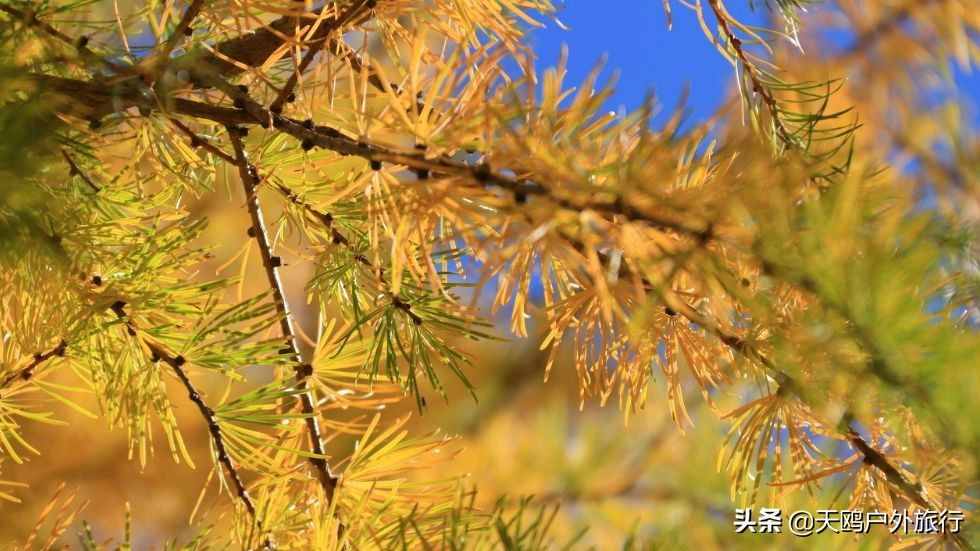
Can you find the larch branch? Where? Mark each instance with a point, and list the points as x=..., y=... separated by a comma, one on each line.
x=177, y=363
x=338, y=238
x=196, y=140
x=271, y=263
x=787, y=383
x=323, y=37
x=757, y=85
x=74, y=170
x=94, y=97
x=183, y=29
x=744, y=348
x=28, y=371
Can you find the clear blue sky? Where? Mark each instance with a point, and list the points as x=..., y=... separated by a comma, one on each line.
x=633, y=36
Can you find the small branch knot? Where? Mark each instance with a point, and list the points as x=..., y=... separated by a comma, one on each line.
x=304, y=370
x=119, y=308
x=481, y=172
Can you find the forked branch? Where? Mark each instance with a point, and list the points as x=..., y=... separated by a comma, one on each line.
x=323, y=37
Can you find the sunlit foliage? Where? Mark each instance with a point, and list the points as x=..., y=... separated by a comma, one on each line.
x=393, y=174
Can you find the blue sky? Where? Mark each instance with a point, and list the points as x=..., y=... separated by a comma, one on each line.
x=633, y=36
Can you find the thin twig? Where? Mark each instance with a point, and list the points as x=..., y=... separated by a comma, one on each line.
x=182, y=30
x=271, y=263
x=29, y=17
x=74, y=170
x=757, y=85
x=338, y=238
x=28, y=371
x=177, y=362
x=315, y=47
x=199, y=141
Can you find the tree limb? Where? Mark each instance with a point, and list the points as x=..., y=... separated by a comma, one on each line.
x=27, y=372
x=74, y=170
x=177, y=362
x=271, y=263
x=317, y=44
x=183, y=29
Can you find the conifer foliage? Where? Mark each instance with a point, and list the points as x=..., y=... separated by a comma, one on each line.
x=404, y=167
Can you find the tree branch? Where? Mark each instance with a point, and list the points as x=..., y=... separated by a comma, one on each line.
x=271, y=263
x=199, y=141
x=338, y=238
x=29, y=17
x=176, y=362
x=323, y=34
x=74, y=170
x=913, y=492
x=27, y=372
x=251, y=49
x=183, y=29
x=757, y=85
x=92, y=97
